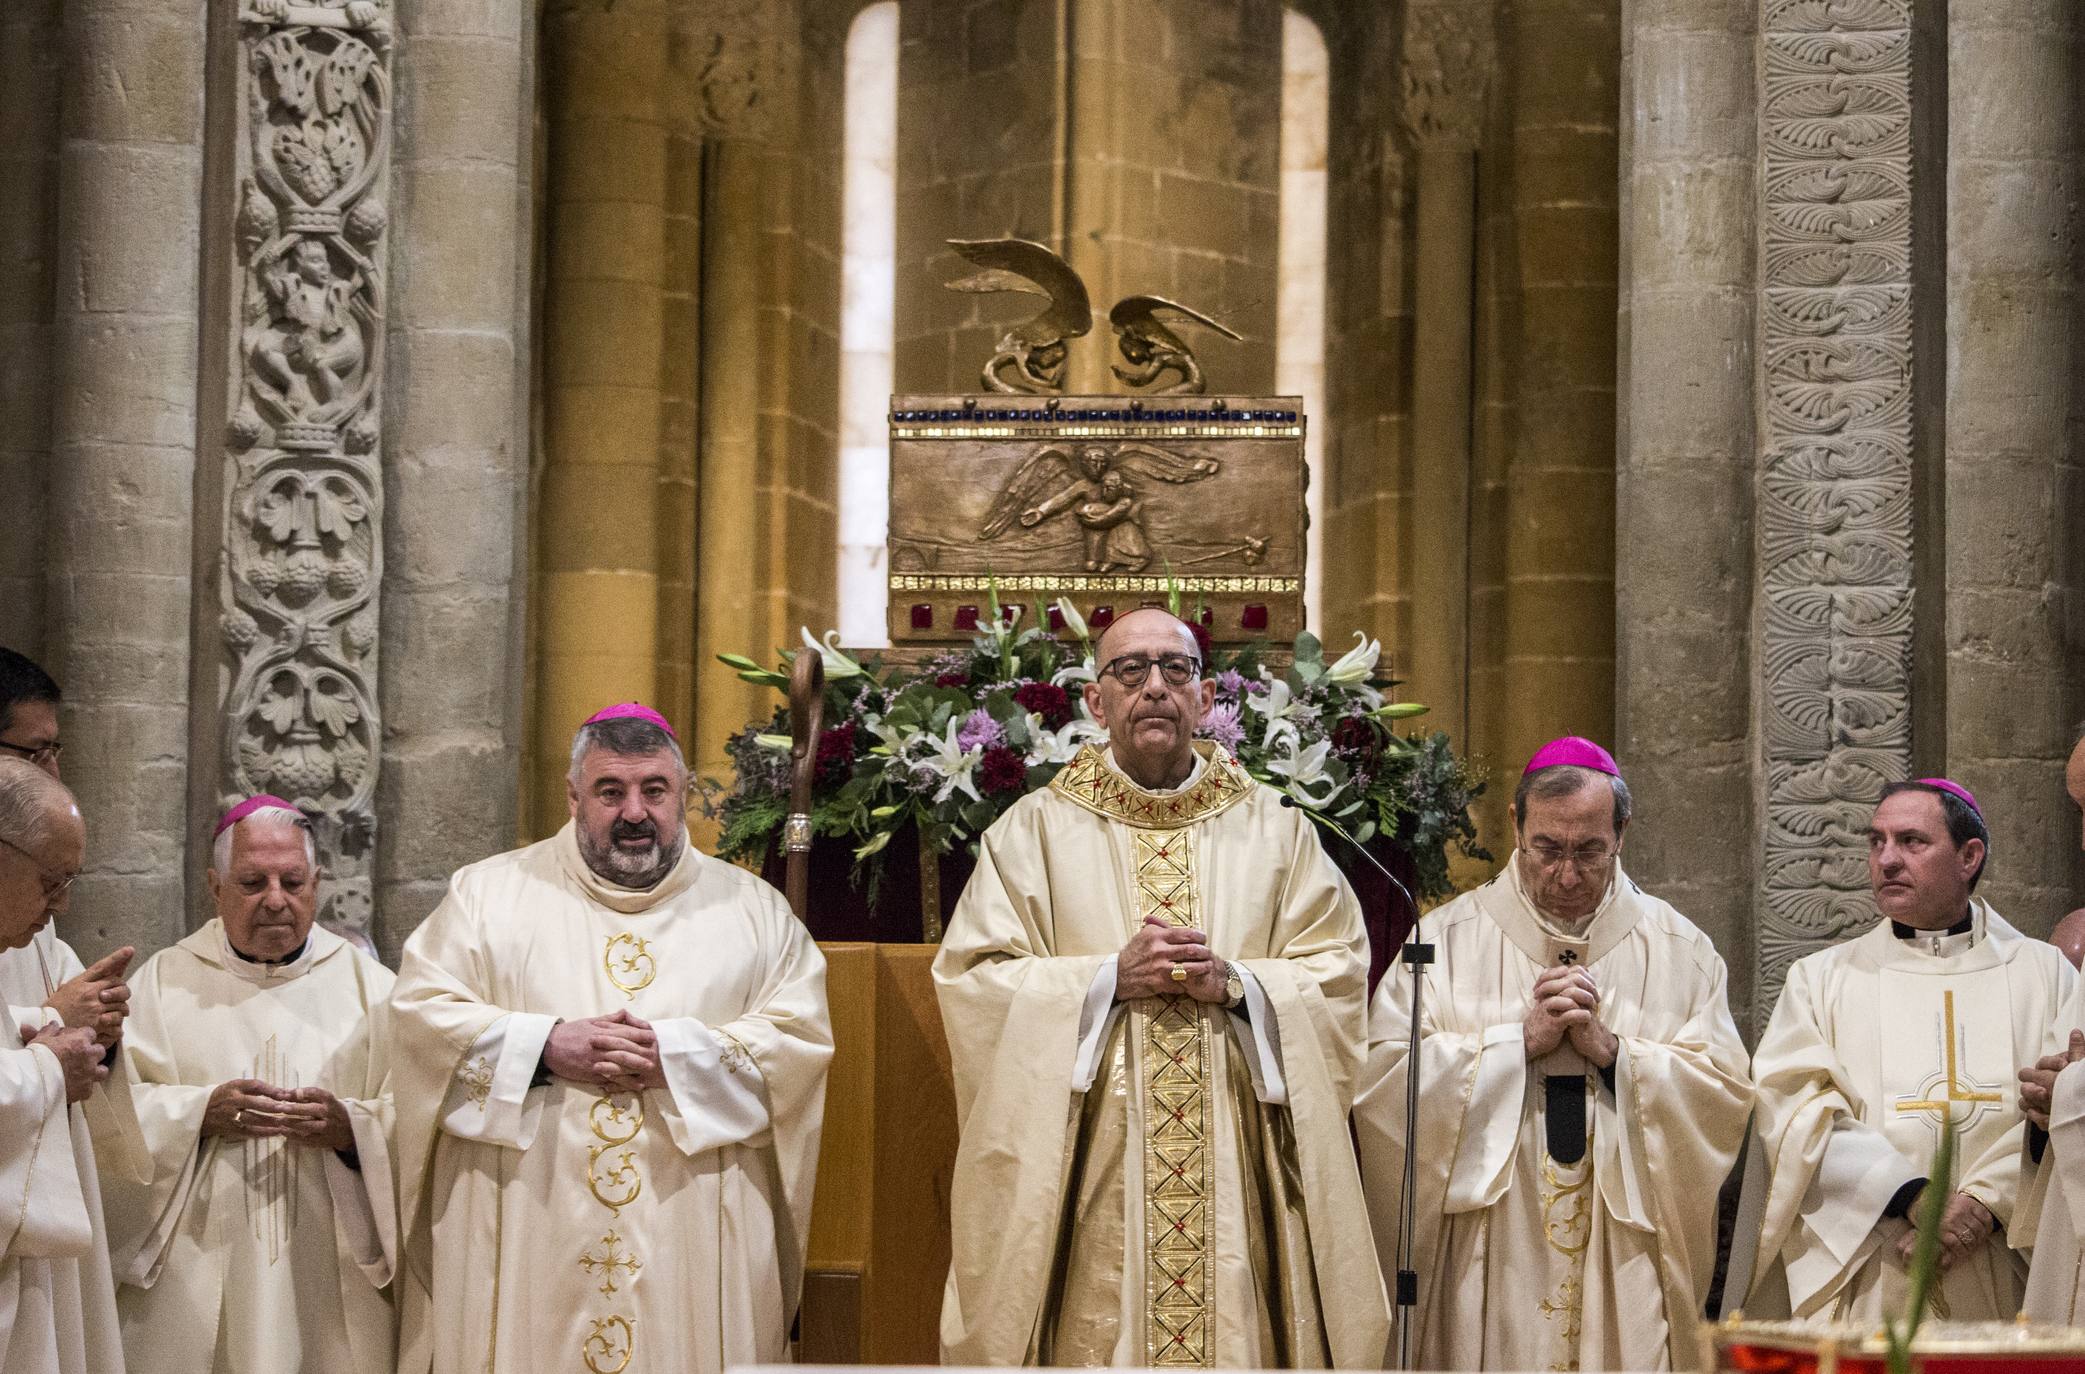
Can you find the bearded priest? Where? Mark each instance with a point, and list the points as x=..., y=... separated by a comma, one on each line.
x=1153, y=989
x=1584, y=1094
x=610, y=1081
x=1878, y=1043
x=257, y=1051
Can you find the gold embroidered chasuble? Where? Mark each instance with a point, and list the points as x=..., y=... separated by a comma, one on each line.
x=1873, y=1042
x=558, y=1227
x=1525, y=1262
x=1167, y=1215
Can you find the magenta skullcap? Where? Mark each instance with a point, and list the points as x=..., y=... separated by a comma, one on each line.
x=1575, y=752
x=1956, y=790
x=633, y=710
x=247, y=808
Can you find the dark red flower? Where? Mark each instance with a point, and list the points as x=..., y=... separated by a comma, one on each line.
x=835, y=751
x=1047, y=700
x=952, y=679
x=1356, y=737
x=1001, y=770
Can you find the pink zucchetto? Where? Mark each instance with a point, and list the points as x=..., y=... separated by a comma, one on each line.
x=247, y=808
x=1955, y=790
x=1575, y=752
x=633, y=710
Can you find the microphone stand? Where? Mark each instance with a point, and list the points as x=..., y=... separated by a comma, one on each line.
x=1416, y=955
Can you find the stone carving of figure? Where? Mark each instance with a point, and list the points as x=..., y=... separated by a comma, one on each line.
x=311, y=349
x=1114, y=527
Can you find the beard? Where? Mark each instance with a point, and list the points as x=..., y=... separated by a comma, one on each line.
x=641, y=869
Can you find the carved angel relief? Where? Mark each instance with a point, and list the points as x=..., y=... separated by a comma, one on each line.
x=303, y=553
x=1103, y=488
x=1031, y=356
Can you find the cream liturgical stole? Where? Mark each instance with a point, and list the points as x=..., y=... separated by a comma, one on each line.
x=1874, y=1045
x=1155, y=1182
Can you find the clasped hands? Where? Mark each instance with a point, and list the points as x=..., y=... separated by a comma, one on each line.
x=1965, y=1224
x=618, y=1052
x=1145, y=966
x=1566, y=1006
x=248, y=1109
x=2038, y=1084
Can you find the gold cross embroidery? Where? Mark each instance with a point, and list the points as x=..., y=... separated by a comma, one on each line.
x=1956, y=1092
x=614, y=1258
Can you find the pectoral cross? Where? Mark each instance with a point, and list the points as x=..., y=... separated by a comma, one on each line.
x=1946, y=1089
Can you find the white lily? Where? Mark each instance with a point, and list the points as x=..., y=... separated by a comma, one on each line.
x=1073, y=621
x=837, y=664
x=781, y=744
x=1304, y=768
x=952, y=763
x=1277, y=704
x=1084, y=672
x=1356, y=666
x=890, y=739
x=1061, y=745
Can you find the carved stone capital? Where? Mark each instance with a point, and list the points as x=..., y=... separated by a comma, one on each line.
x=1450, y=52
x=738, y=54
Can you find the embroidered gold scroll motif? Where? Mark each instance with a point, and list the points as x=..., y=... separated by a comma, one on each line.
x=1178, y=1166
x=614, y=1179
x=1567, y=1224
x=628, y=962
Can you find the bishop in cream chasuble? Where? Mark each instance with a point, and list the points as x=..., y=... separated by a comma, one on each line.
x=1874, y=1045
x=610, y=1081
x=1156, y=1170
x=1566, y=1184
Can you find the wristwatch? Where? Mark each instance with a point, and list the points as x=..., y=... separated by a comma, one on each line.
x=1233, y=986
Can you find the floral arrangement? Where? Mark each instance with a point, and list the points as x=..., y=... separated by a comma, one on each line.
x=950, y=746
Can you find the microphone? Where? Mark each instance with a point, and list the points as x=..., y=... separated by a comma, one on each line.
x=1336, y=828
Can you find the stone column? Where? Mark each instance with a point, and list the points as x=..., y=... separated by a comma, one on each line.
x=2014, y=504
x=1448, y=58
x=679, y=396
x=455, y=449
x=31, y=33
x=603, y=317
x=1559, y=627
x=1684, y=534
x=123, y=444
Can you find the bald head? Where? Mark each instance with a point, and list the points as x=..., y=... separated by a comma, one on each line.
x=1147, y=629
x=42, y=842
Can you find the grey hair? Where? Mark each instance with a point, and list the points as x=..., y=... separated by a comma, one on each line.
x=1568, y=780
x=27, y=797
x=626, y=736
x=221, y=849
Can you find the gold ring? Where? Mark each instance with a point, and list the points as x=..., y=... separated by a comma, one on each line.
x=1179, y=974
x=239, y=1117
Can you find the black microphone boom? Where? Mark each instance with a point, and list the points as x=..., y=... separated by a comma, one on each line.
x=1417, y=954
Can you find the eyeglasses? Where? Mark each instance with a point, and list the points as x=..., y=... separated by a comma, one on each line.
x=1588, y=858
x=53, y=888
x=1131, y=669
x=43, y=756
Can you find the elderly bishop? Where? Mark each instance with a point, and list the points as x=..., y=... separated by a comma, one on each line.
x=1875, y=1047
x=1153, y=990
x=1583, y=1095
x=266, y=1234
x=611, y=1078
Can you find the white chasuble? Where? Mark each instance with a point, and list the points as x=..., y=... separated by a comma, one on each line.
x=2050, y=1218
x=551, y=1225
x=1528, y=1259
x=1156, y=1182
x=257, y=1256
x=1874, y=1044
x=57, y=1301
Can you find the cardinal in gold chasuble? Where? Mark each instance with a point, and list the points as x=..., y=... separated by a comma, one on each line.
x=1159, y=1181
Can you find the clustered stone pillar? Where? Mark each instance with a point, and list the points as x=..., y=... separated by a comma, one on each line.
x=2014, y=499
x=1683, y=566
x=123, y=443
x=455, y=452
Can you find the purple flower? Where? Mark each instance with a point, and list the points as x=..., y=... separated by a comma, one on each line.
x=1230, y=682
x=1222, y=725
x=979, y=731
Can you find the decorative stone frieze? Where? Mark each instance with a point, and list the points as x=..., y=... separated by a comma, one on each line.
x=1835, y=481
x=303, y=520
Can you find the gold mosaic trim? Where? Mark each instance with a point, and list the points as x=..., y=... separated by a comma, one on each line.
x=1178, y=1165
x=1089, y=781
x=1083, y=582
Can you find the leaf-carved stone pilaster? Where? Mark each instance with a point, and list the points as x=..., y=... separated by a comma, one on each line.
x=1835, y=484
x=1445, y=75
x=303, y=519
